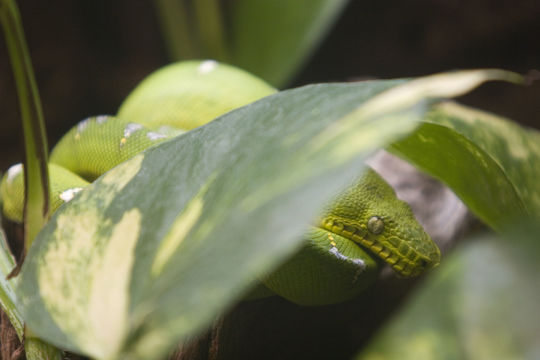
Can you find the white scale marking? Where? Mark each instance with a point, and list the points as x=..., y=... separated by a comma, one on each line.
x=82, y=125
x=102, y=119
x=207, y=66
x=131, y=128
x=358, y=262
x=155, y=136
x=68, y=194
x=13, y=172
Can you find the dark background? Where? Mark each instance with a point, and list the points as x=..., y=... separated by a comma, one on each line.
x=89, y=54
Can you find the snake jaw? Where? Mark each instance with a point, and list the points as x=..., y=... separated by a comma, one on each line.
x=408, y=258
x=417, y=253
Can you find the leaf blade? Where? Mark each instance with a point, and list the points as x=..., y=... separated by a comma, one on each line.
x=476, y=159
x=8, y=296
x=288, y=31
x=468, y=308
x=239, y=169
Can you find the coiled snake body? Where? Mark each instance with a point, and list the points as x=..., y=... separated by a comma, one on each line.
x=364, y=227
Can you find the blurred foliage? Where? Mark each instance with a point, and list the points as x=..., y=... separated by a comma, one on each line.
x=270, y=39
x=8, y=296
x=490, y=162
x=480, y=304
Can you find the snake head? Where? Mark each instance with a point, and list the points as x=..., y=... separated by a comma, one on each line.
x=370, y=214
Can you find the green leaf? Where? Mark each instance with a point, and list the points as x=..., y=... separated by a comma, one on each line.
x=272, y=39
x=193, y=30
x=482, y=303
x=492, y=164
x=157, y=247
x=36, y=211
x=8, y=297
x=176, y=29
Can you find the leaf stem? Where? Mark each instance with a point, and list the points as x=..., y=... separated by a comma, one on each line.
x=193, y=29
x=36, y=212
x=178, y=33
x=37, y=349
x=211, y=29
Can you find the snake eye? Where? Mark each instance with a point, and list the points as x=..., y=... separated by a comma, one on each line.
x=375, y=224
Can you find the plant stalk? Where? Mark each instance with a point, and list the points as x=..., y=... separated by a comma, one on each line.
x=211, y=29
x=36, y=210
x=178, y=32
x=36, y=177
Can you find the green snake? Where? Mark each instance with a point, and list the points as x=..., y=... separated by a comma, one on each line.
x=363, y=228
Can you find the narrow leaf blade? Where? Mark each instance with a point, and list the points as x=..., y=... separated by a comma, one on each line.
x=8, y=297
x=286, y=31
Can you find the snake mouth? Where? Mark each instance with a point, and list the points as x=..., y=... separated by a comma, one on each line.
x=396, y=252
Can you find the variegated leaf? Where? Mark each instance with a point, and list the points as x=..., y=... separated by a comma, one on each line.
x=492, y=163
x=158, y=246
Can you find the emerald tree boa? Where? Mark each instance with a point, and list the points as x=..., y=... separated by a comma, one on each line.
x=363, y=228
